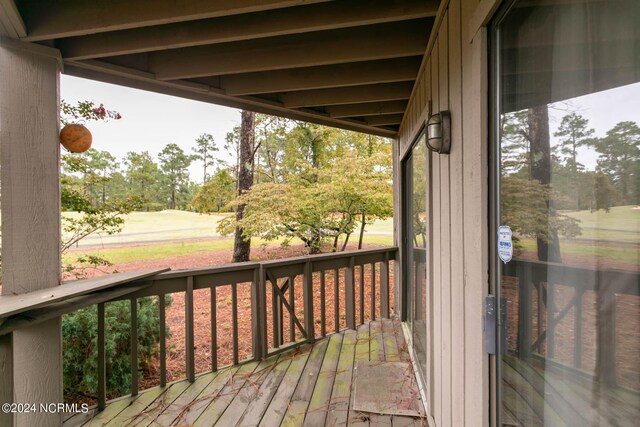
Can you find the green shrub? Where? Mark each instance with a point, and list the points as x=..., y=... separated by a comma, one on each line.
x=80, y=332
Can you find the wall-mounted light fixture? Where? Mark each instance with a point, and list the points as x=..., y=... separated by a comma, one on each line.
x=439, y=132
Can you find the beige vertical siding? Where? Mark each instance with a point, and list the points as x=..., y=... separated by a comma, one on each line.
x=454, y=77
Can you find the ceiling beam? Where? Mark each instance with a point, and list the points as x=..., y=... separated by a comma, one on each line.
x=368, y=109
x=366, y=43
x=294, y=20
x=11, y=23
x=108, y=73
x=329, y=76
x=48, y=19
x=390, y=119
x=348, y=95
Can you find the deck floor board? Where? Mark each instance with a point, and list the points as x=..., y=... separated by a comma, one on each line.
x=311, y=385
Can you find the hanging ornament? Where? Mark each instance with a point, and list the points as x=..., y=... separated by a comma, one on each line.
x=76, y=138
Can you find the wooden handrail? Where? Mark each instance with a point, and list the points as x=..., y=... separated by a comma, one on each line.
x=262, y=276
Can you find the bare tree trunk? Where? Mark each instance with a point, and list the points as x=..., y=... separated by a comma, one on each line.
x=346, y=240
x=363, y=222
x=242, y=245
x=549, y=245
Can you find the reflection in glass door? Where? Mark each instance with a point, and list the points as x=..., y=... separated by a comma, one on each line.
x=416, y=219
x=567, y=111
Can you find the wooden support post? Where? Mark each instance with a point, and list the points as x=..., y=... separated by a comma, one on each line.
x=384, y=287
x=102, y=362
x=307, y=298
x=30, y=175
x=134, y=346
x=163, y=340
x=350, y=300
x=189, y=335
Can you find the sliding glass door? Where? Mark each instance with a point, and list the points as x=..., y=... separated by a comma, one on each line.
x=566, y=130
x=416, y=207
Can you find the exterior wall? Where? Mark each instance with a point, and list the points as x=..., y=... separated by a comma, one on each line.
x=454, y=77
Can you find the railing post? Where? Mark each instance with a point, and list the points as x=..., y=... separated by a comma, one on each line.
x=606, y=337
x=102, y=365
x=189, y=339
x=336, y=300
x=134, y=346
x=350, y=301
x=307, y=297
x=234, y=321
x=262, y=287
x=384, y=287
x=163, y=340
x=214, y=325
x=256, y=316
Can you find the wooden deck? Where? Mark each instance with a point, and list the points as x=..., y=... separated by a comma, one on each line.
x=311, y=385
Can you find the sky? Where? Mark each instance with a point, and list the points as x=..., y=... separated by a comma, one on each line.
x=149, y=120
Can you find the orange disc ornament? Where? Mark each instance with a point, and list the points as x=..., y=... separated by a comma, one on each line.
x=75, y=138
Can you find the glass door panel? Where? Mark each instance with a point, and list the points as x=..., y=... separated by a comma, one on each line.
x=567, y=108
x=416, y=208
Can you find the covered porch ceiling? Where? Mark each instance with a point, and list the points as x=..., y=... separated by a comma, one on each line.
x=348, y=63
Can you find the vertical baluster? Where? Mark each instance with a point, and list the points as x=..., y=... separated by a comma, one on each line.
x=524, y=313
x=362, y=294
x=214, y=329
x=189, y=339
x=307, y=302
x=263, y=312
x=384, y=287
x=323, y=309
x=134, y=346
x=276, y=314
x=256, y=317
x=234, y=324
x=350, y=301
x=292, y=303
x=102, y=365
x=163, y=341
x=336, y=299
x=373, y=291
x=577, y=356
x=550, y=321
x=540, y=302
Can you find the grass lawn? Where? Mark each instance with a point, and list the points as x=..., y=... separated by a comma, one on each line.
x=162, y=225
x=621, y=223
x=127, y=253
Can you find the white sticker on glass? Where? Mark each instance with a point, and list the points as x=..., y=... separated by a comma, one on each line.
x=505, y=243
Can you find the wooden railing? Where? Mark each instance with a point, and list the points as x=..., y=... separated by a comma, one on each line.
x=544, y=279
x=274, y=295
